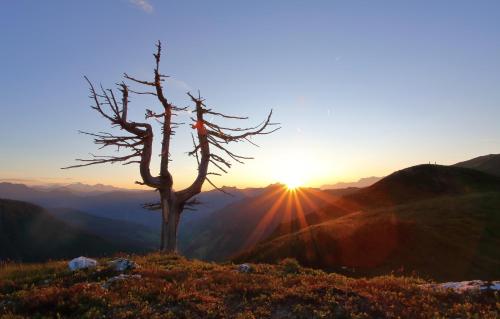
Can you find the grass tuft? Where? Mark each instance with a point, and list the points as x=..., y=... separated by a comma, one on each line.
x=171, y=286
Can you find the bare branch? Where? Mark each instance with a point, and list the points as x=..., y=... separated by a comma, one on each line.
x=218, y=188
x=143, y=93
x=140, y=142
x=226, y=116
x=152, y=206
x=128, y=77
x=103, y=159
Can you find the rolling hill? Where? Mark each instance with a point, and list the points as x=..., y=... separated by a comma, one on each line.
x=423, y=182
x=137, y=238
x=242, y=224
x=437, y=221
x=488, y=164
x=121, y=205
x=29, y=233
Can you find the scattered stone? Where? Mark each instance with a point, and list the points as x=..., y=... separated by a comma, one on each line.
x=120, y=277
x=122, y=264
x=81, y=263
x=466, y=286
x=245, y=268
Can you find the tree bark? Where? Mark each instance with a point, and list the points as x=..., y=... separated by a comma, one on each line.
x=164, y=219
x=171, y=211
x=172, y=225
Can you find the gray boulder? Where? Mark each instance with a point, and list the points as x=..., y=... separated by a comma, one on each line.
x=245, y=268
x=122, y=264
x=465, y=286
x=81, y=263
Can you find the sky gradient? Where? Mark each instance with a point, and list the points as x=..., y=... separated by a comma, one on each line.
x=361, y=88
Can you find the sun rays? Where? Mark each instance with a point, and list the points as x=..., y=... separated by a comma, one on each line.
x=286, y=211
x=292, y=182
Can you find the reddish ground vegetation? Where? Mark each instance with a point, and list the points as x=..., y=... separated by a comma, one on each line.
x=173, y=287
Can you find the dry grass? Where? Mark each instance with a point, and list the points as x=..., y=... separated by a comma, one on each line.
x=173, y=287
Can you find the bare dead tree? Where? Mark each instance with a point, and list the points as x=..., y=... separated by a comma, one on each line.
x=209, y=146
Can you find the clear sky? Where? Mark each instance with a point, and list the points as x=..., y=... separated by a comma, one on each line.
x=361, y=88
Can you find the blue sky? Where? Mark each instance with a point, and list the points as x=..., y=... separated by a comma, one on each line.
x=361, y=88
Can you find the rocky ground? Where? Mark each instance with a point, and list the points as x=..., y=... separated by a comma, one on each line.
x=169, y=286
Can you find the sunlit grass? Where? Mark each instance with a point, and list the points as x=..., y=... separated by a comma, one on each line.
x=171, y=286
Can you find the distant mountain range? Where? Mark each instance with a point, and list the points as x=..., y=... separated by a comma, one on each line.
x=80, y=188
x=118, y=216
x=30, y=233
x=121, y=205
x=363, y=182
x=439, y=221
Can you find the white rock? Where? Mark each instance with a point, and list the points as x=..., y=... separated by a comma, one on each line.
x=244, y=268
x=122, y=264
x=81, y=263
x=463, y=286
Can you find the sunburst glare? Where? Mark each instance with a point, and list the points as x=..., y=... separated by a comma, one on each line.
x=293, y=182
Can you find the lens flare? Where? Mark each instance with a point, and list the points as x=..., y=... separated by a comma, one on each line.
x=292, y=182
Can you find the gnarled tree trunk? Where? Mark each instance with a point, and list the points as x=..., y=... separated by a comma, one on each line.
x=140, y=143
x=174, y=215
x=164, y=219
x=170, y=216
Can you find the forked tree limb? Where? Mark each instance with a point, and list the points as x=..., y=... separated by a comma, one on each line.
x=210, y=137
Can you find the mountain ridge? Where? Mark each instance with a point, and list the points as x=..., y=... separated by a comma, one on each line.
x=451, y=215
x=30, y=233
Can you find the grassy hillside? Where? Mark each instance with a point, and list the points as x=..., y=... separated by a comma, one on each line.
x=248, y=221
x=29, y=233
x=488, y=164
x=172, y=287
x=121, y=205
x=423, y=182
x=136, y=237
x=440, y=222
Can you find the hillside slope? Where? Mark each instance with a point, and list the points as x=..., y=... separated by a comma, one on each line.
x=438, y=221
x=121, y=205
x=488, y=164
x=244, y=223
x=423, y=182
x=136, y=237
x=29, y=233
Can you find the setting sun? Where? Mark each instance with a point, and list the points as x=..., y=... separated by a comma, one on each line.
x=292, y=182
x=292, y=170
